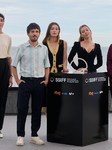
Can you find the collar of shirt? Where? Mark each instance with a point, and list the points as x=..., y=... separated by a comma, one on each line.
x=28, y=44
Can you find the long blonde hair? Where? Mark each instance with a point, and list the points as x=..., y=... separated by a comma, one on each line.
x=81, y=38
x=47, y=37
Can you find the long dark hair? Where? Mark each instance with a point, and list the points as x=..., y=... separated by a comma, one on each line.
x=47, y=37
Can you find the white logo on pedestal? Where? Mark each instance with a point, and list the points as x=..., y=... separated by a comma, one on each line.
x=52, y=79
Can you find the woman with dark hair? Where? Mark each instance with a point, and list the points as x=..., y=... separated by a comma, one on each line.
x=5, y=70
x=57, y=49
x=86, y=50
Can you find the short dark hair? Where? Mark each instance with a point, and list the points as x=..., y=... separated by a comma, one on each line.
x=1, y=15
x=33, y=26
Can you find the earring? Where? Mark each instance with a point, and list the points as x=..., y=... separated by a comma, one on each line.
x=82, y=39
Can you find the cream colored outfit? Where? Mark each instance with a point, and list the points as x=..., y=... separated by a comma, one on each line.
x=5, y=46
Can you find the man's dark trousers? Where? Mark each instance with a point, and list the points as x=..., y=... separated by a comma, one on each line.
x=33, y=88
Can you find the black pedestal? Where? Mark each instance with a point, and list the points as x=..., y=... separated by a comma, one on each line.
x=77, y=108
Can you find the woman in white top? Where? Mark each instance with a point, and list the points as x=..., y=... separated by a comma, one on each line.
x=5, y=70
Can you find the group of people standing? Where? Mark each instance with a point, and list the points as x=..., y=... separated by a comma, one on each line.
x=37, y=60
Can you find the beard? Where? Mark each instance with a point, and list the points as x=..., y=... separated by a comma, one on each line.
x=34, y=40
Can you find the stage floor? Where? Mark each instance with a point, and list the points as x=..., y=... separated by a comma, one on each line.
x=10, y=137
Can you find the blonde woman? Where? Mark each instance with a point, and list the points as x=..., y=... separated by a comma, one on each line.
x=87, y=50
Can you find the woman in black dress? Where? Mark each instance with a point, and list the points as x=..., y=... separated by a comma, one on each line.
x=86, y=50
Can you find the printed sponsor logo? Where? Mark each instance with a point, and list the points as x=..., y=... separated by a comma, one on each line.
x=96, y=79
x=100, y=92
x=64, y=93
x=60, y=93
x=72, y=80
x=57, y=93
x=60, y=79
x=86, y=80
x=89, y=80
x=66, y=80
x=95, y=93
x=51, y=79
x=100, y=79
x=71, y=93
x=91, y=93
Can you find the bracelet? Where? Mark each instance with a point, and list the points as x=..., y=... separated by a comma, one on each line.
x=11, y=75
